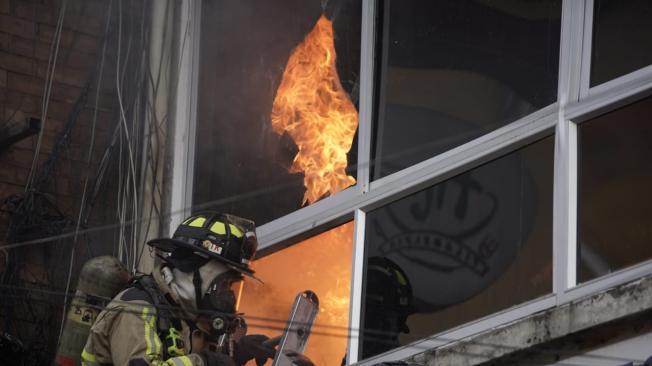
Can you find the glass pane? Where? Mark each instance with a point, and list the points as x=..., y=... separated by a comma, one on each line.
x=622, y=38
x=452, y=70
x=614, y=198
x=465, y=248
x=321, y=264
x=276, y=111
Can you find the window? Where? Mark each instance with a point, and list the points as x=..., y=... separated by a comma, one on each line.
x=451, y=71
x=457, y=79
x=614, y=199
x=321, y=264
x=462, y=249
x=242, y=164
x=622, y=38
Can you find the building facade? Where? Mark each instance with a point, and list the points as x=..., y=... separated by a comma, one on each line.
x=460, y=182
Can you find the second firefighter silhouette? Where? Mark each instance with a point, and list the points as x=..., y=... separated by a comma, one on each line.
x=388, y=303
x=177, y=315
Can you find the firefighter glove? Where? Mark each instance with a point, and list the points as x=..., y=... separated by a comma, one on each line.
x=299, y=359
x=216, y=359
x=255, y=346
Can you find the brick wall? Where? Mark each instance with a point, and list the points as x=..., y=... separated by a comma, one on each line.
x=27, y=28
x=26, y=31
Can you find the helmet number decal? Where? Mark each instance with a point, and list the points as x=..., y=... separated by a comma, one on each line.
x=212, y=247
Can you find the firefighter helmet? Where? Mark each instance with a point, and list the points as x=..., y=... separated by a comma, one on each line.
x=388, y=303
x=388, y=287
x=211, y=235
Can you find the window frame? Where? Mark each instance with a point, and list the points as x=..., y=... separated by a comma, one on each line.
x=576, y=102
x=181, y=140
x=586, y=88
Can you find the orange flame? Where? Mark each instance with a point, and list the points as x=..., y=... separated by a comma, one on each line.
x=321, y=264
x=314, y=109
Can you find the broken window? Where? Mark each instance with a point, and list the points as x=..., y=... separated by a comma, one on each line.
x=277, y=108
x=614, y=196
x=462, y=249
x=321, y=264
x=451, y=71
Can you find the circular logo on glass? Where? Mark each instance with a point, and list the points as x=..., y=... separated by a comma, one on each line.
x=456, y=238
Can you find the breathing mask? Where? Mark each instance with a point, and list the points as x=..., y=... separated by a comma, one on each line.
x=219, y=303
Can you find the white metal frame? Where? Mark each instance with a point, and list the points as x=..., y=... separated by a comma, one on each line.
x=576, y=103
x=357, y=277
x=185, y=110
x=463, y=331
x=604, y=88
x=565, y=177
x=368, y=33
x=585, y=57
x=593, y=102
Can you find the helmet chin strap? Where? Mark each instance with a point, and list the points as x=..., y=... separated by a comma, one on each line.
x=197, y=282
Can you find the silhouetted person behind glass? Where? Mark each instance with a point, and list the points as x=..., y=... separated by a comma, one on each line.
x=388, y=302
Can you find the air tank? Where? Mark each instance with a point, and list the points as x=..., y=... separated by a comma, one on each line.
x=101, y=278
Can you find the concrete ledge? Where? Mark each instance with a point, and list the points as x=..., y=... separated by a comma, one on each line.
x=556, y=333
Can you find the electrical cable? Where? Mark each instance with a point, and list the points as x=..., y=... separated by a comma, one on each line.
x=137, y=221
x=49, y=78
x=131, y=177
x=154, y=130
x=89, y=159
x=28, y=204
x=120, y=188
x=138, y=133
x=132, y=170
x=25, y=207
x=262, y=323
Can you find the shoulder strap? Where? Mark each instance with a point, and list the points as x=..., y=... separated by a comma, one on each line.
x=160, y=302
x=166, y=323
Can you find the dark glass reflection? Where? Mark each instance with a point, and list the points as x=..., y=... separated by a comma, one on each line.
x=467, y=247
x=452, y=70
x=615, y=195
x=622, y=38
x=241, y=164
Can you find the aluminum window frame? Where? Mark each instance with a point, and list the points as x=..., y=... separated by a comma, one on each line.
x=602, y=88
x=618, y=93
x=184, y=109
x=565, y=175
x=590, y=103
x=576, y=103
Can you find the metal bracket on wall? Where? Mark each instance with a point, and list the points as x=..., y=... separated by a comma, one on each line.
x=14, y=132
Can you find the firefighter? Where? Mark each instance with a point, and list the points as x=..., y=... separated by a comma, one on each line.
x=180, y=313
x=388, y=304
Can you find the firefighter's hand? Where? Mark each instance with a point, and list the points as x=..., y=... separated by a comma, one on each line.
x=216, y=359
x=255, y=346
x=299, y=359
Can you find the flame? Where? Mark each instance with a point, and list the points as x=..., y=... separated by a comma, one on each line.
x=313, y=108
x=321, y=264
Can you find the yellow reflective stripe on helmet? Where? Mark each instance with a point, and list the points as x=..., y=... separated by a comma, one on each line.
x=235, y=231
x=218, y=228
x=180, y=361
x=151, y=339
x=88, y=359
x=197, y=222
x=401, y=278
